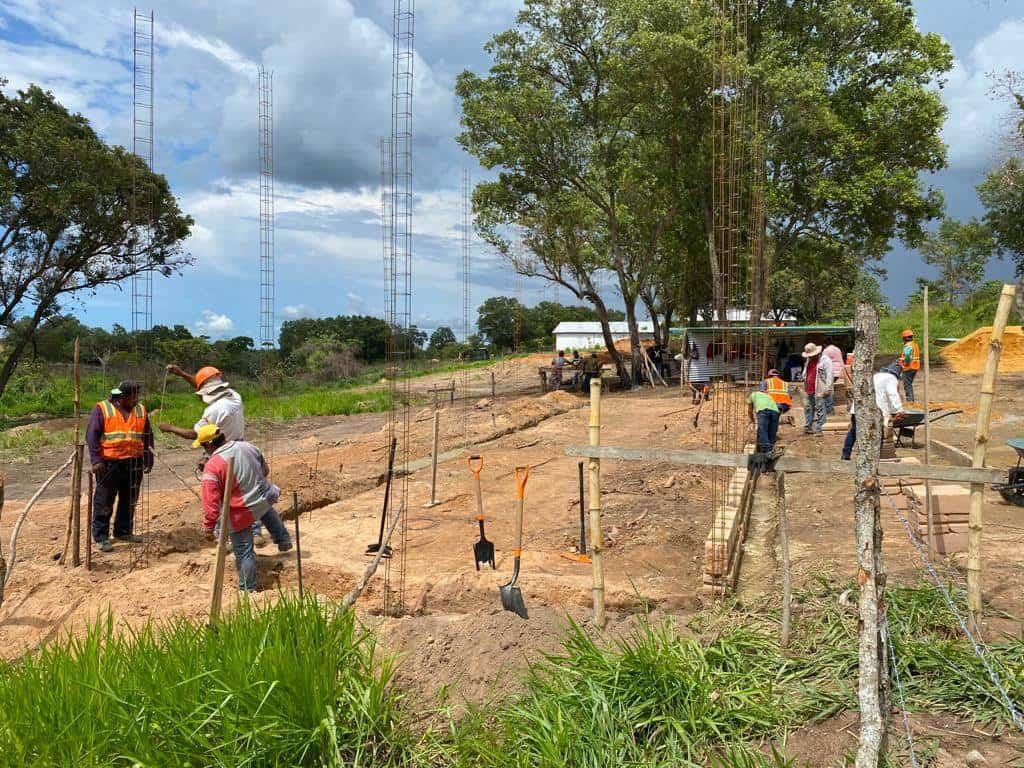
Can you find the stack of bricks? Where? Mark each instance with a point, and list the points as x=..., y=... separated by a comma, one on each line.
x=951, y=507
x=728, y=529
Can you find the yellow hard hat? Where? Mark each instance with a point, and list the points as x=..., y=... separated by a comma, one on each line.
x=206, y=433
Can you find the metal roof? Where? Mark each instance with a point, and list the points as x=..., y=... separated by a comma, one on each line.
x=594, y=327
x=787, y=329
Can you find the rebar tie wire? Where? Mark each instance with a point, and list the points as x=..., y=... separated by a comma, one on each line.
x=977, y=643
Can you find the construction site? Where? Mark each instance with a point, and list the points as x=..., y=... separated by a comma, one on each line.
x=557, y=565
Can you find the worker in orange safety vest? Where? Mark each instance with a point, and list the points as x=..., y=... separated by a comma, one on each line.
x=779, y=392
x=910, y=363
x=120, y=441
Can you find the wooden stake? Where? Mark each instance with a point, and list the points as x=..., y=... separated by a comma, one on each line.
x=433, y=463
x=981, y=436
x=492, y=384
x=787, y=597
x=298, y=540
x=225, y=526
x=76, y=506
x=870, y=578
x=3, y=563
x=927, y=434
x=596, y=541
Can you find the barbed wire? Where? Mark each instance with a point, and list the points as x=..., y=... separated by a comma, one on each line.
x=978, y=645
x=899, y=691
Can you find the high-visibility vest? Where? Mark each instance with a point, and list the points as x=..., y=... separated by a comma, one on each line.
x=122, y=435
x=776, y=387
x=915, y=357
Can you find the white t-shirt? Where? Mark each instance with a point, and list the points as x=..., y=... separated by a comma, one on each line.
x=227, y=413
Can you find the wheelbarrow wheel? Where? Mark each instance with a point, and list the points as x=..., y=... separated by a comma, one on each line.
x=1014, y=495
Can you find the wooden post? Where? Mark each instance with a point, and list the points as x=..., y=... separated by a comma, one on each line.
x=433, y=463
x=76, y=506
x=981, y=436
x=787, y=597
x=927, y=433
x=298, y=540
x=596, y=541
x=225, y=526
x=870, y=579
x=493, y=390
x=88, y=533
x=3, y=563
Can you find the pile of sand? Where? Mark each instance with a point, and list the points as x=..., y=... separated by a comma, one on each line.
x=969, y=354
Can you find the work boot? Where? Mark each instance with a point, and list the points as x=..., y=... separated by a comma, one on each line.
x=284, y=547
x=131, y=538
x=105, y=545
x=259, y=540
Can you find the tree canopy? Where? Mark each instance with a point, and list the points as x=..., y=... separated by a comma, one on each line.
x=75, y=214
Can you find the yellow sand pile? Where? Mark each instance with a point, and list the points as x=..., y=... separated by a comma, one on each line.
x=969, y=354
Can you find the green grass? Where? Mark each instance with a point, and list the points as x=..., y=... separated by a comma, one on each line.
x=297, y=684
x=944, y=321
x=293, y=684
x=20, y=446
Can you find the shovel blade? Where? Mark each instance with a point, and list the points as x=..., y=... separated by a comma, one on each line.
x=483, y=551
x=512, y=600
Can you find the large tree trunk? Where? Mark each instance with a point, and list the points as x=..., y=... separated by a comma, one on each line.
x=873, y=670
x=635, y=348
x=609, y=340
x=14, y=354
x=717, y=280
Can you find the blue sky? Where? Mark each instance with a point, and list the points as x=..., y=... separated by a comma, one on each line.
x=332, y=65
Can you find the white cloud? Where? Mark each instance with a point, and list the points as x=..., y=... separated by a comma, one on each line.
x=296, y=311
x=976, y=122
x=214, y=325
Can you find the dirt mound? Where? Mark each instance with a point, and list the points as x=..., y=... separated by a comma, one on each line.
x=969, y=354
x=316, y=487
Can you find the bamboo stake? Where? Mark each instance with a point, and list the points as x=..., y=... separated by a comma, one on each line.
x=870, y=578
x=787, y=596
x=596, y=541
x=433, y=463
x=225, y=524
x=981, y=436
x=927, y=433
x=76, y=506
x=11, y=549
x=3, y=563
x=88, y=533
x=298, y=540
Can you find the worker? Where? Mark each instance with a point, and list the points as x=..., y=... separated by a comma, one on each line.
x=120, y=441
x=556, y=369
x=252, y=498
x=909, y=363
x=576, y=364
x=591, y=370
x=833, y=353
x=887, y=398
x=818, y=382
x=764, y=411
x=223, y=404
x=776, y=388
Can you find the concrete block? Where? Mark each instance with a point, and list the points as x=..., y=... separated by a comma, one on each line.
x=947, y=543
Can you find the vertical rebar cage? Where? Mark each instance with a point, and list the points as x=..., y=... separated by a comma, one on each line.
x=268, y=331
x=143, y=58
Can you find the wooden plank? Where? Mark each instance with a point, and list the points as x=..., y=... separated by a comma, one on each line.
x=789, y=464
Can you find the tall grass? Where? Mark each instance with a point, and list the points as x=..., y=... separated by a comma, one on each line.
x=293, y=684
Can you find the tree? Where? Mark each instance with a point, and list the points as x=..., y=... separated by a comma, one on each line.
x=1002, y=195
x=368, y=333
x=75, y=214
x=960, y=251
x=498, y=319
x=441, y=338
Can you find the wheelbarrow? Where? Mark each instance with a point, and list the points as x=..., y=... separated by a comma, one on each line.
x=1012, y=490
x=907, y=427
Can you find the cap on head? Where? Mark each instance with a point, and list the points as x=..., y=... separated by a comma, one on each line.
x=893, y=368
x=203, y=375
x=907, y=333
x=126, y=387
x=811, y=349
x=207, y=433
x=773, y=372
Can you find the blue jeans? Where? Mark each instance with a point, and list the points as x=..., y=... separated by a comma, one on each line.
x=814, y=413
x=908, y=384
x=830, y=405
x=245, y=551
x=851, y=438
x=767, y=430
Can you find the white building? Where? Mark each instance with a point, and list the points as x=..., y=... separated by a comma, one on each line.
x=587, y=335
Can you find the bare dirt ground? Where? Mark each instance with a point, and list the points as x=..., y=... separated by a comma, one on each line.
x=456, y=641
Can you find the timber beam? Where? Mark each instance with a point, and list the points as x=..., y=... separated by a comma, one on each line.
x=790, y=464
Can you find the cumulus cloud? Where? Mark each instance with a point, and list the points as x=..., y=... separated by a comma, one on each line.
x=214, y=324
x=976, y=121
x=296, y=311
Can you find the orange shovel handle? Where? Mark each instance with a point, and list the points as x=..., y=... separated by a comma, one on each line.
x=476, y=470
x=521, y=481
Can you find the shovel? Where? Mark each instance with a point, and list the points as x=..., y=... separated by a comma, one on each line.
x=373, y=548
x=581, y=555
x=483, y=550
x=511, y=595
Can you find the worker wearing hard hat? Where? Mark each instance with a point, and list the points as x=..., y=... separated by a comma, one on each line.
x=887, y=398
x=223, y=404
x=252, y=498
x=909, y=363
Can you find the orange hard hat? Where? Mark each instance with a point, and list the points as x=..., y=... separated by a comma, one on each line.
x=907, y=333
x=203, y=375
